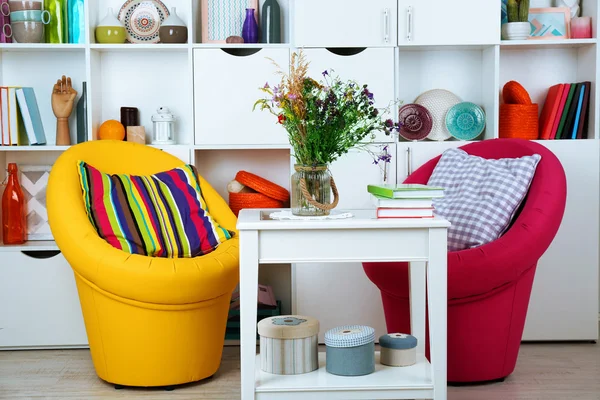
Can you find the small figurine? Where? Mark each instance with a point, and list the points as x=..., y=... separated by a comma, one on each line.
x=63, y=97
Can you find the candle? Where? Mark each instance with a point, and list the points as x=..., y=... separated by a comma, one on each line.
x=581, y=28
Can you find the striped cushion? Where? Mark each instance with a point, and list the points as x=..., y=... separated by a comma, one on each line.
x=161, y=215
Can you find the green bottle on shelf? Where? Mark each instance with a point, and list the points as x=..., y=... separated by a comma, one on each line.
x=57, y=31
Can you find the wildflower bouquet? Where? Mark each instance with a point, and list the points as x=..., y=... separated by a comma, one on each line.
x=324, y=120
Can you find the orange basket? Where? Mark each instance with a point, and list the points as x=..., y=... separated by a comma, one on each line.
x=519, y=121
x=238, y=201
x=262, y=185
x=515, y=93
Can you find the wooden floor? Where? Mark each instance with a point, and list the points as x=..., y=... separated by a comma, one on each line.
x=544, y=372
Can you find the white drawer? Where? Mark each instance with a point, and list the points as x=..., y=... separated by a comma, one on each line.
x=39, y=302
x=345, y=23
x=226, y=86
x=372, y=66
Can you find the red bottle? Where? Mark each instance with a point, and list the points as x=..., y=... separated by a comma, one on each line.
x=14, y=217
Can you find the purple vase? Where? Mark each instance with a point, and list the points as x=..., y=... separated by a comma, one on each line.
x=250, y=29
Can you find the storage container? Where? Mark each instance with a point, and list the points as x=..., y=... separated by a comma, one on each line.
x=398, y=349
x=350, y=350
x=289, y=344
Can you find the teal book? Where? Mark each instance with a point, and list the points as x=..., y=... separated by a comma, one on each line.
x=406, y=191
x=31, y=116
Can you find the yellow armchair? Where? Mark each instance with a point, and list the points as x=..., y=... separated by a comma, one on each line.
x=149, y=321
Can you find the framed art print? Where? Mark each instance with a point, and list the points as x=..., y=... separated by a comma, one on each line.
x=224, y=18
x=34, y=181
x=550, y=23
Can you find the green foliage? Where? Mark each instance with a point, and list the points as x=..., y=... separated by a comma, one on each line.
x=518, y=10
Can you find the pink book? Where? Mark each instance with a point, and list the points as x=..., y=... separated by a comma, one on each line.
x=561, y=107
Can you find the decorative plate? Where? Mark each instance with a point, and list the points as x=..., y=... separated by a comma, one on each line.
x=416, y=122
x=465, y=121
x=438, y=102
x=142, y=19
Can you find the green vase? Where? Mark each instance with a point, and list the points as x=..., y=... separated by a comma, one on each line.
x=57, y=31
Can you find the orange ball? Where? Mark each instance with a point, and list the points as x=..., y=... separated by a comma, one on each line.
x=111, y=130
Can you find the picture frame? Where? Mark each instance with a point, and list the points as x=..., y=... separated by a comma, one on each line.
x=34, y=182
x=217, y=26
x=550, y=23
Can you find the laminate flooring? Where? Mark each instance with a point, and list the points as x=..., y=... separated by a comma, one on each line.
x=544, y=372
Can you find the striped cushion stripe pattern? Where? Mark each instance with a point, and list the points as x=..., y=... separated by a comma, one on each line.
x=160, y=215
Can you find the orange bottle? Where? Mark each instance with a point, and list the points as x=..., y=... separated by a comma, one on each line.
x=14, y=217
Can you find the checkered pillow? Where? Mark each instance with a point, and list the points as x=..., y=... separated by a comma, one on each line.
x=481, y=196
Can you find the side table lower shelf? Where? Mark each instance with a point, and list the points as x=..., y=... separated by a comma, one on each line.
x=385, y=383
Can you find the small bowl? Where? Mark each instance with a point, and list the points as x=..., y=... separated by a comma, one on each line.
x=20, y=5
x=30, y=15
x=111, y=34
x=28, y=31
x=173, y=34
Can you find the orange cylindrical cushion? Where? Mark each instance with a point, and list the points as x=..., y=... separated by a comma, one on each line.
x=263, y=186
x=238, y=201
x=519, y=121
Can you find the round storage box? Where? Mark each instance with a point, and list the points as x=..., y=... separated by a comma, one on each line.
x=398, y=349
x=289, y=344
x=350, y=350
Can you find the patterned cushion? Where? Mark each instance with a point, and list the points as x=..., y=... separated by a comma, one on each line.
x=161, y=215
x=481, y=195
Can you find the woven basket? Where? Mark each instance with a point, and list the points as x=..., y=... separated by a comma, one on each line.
x=263, y=186
x=514, y=93
x=519, y=121
x=238, y=201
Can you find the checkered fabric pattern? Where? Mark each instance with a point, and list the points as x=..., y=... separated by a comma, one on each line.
x=349, y=336
x=481, y=195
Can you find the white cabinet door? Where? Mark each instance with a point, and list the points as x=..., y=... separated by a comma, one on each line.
x=345, y=23
x=40, y=305
x=226, y=88
x=340, y=293
x=564, y=299
x=373, y=67
x=181, y=152
x=432, y=22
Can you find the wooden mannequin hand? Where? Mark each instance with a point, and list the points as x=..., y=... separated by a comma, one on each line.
x=63, y=97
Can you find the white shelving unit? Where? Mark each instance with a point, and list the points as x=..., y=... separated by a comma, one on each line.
x=211, y=89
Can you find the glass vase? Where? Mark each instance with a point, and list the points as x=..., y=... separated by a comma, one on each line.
x=14, y=216
x=76, y=21
x=271, y=22
x=57, y=31
x=311, y=191
x=250, y=28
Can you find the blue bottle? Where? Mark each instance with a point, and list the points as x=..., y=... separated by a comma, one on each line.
x=76, y=18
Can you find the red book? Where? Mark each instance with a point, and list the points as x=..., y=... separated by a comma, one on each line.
x=561, y=107
x=550, y=110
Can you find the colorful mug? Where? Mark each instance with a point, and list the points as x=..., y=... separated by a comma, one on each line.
x=30, y=15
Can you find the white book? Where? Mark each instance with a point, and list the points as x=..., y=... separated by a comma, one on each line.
x=384, y=202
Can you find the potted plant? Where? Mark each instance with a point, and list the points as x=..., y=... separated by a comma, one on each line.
x=324, y=120
x=518, y=26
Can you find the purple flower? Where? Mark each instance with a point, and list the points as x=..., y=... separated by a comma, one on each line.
x=325, y=73
x=389, y=123
x=292, y=96
x=267, y=85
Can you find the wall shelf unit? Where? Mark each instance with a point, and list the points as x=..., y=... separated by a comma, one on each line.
x=211, y=88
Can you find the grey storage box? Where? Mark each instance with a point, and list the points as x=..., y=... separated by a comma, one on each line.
x=398, y=349
x=289, y=345
x=350, y=350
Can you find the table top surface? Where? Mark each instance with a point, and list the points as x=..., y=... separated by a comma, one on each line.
x=259, y=219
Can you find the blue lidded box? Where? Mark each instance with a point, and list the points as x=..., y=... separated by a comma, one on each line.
x=398, y=349
x=350, y=350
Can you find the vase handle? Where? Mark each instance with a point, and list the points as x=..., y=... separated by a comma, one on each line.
x=314, y=203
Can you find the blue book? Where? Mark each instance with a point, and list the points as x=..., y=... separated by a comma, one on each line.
x=578, y=115
x=31, y=115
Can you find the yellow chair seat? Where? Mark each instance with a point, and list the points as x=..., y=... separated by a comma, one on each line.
x=149, y=321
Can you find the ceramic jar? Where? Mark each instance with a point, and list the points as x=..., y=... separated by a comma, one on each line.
x=398, y=349
x=295, y=339
x=350, y=350
x=164, y=127
x=110, y=30
x=173, y=29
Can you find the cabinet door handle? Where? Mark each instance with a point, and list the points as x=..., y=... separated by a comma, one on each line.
x=408, y=161
x=409, y=23
x=386, y=25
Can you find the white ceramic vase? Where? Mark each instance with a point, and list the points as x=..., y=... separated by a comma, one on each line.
x=573, y=5
x=516, y=31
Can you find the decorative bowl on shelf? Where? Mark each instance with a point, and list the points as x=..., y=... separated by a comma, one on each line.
x=142, y=20
x=465, y=121
x=516, y=31
x=438, y=102
x=416, y=122
x=110, y=30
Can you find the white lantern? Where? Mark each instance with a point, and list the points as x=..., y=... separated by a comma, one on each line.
x=164, y=127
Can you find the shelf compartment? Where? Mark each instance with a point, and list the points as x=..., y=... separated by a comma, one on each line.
x=37, y=245
x=385, y=383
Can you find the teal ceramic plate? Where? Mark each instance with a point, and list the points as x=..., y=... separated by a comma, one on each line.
x=465, y=121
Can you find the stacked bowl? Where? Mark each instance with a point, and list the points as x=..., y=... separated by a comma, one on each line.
x=27, y=20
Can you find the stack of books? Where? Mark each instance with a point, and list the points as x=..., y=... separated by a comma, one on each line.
x=404, y=200
x=566, y=112
x=21, y=122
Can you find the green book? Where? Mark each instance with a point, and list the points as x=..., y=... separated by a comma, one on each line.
x=406, y=191
x=565, y=113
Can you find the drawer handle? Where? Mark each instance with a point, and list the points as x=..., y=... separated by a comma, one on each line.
x=408, y=162
x=41, y=255
x=409, y=22
x=238, y=52
x=346, y=51
x=386, y=25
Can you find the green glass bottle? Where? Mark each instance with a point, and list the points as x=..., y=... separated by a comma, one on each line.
x=57, y=31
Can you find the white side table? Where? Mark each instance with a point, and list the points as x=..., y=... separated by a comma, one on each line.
x=362, y=238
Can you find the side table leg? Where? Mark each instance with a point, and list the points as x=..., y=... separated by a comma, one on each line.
x=248, y=304
x=437, y=290
x=417, y=300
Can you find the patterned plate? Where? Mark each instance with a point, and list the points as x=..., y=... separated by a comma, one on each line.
x=465, y=121
x=142, y=19
x=438, y=102
x=416, y=122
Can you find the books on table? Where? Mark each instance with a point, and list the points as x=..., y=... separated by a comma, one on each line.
x=404, y=200
x=406, y=191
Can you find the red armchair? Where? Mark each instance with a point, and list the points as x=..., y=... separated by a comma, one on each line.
x=488, y=286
